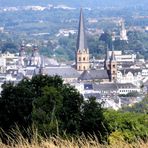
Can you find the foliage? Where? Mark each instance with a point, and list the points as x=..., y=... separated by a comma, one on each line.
x=130, y=126
x=46, y=110
x=58, y=108
x=16, y=106
x=71, y=112
x=141, y=107
x=55, y=105
x=92, y=116
x=106, y=37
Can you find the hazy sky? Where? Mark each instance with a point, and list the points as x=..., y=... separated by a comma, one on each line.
x=85, y=3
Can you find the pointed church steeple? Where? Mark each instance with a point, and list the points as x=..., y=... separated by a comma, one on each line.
x=107, y=59
x=81, y=40
x=82, y=53
x=113, y=59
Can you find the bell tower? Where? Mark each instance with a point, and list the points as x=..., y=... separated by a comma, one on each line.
x=82, y=53
x=113, y=67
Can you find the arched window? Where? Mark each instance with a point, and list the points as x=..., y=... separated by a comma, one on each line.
x=84, y=67
x=79, y=58
x=79, y=67
x=83, y=58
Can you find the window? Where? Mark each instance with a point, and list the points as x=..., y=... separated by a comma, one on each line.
x=114, y=66
x=84, y=59
x=79, y=67
x=79, y=58
x=84, y=67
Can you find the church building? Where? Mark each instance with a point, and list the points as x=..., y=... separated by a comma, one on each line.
x=109, y=73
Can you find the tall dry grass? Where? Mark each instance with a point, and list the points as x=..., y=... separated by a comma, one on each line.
x=57, y=142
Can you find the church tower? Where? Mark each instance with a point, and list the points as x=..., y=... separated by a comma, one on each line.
x=35, y=59
x=107, y=60
x=113, y=67
x=123, y=32
x=42, y=66
x=22, y=55
x=82, y=53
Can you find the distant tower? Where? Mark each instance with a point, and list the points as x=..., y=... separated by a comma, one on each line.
x=113, y=35
x=123, y=32
x=107, y=60
x=82, y=53
x=42, y=66
x=22, y=55
x=113, y=67
x=35, y=59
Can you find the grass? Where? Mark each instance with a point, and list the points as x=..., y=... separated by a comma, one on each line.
x=57, y=142
x=16, y=140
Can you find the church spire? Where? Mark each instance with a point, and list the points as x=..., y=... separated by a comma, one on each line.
x=81, y=40
x=82, y=54
x=107, y=59
x=113, y=58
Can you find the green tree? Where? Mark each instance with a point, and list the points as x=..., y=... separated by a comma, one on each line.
x=16, y=106
x=71, y=111
x=46, y=111
x=141, y=107
x=93, y=119
x=131, y=126
x=106, y=37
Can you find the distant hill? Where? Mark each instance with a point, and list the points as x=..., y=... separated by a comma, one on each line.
x=76, y=3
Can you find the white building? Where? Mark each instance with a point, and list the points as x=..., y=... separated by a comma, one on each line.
x=120, y=57
x=123, y=32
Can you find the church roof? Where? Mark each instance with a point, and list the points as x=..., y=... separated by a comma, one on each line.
x=106, y=87
x=94, y=75
x=126, y=85
x=81, y=40
x=113, y=86
x=64, y=72
x=96, y=95
x=132, y=70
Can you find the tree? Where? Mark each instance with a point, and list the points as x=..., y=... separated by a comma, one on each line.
x=9, y=46
x=140, y=107
x=16, y=106
x=106, y=37
x=130, y=126
x=38, y=82
x=71, y=111
x=93, y=119
x=46, y=111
